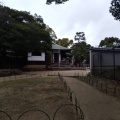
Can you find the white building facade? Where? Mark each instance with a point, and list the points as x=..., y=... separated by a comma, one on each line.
x=59, y=53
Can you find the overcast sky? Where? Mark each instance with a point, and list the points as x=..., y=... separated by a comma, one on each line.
x=89, y=16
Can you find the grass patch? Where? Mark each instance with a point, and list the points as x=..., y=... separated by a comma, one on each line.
x=29, y=81
x=43, y=93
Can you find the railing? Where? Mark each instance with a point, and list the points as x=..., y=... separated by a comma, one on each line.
x=40, y=111
x=73, y=98
x=105, y=85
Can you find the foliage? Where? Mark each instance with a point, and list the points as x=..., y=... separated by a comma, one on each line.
x=109, y=42
x=115, y=9
x=65, y=42
x=81, y=52
x=80, y=36
x=21, y=33
x=52, y=32
x=56, y=1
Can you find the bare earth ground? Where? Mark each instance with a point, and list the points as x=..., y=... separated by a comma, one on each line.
x=94, y=104
x=42, y=93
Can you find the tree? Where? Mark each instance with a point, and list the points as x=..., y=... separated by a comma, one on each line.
x=79, y=49
x=109, y=42
x=65, y=42
x=56, y=1
x=81, y=52
x=115, y=9
x=21, y=33
x=80, y=36
x=52, y=32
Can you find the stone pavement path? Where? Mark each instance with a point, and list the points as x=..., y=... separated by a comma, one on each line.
x=94, y=104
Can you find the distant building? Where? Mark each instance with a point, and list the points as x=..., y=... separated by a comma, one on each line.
x=60, y=55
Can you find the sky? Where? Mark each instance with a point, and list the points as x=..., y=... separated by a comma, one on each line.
x=89, y=16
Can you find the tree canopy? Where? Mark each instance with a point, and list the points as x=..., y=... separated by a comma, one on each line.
x=65, y=42
x=20, y=28
x=52, y=32
x=115, y=9
x=80, y=36
x=81, y=49
x=110, y=42
x=56, y=1
x=21, y=32
x=81, y=52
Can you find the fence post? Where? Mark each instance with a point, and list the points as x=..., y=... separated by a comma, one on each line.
x=97, y=82
x=106, y=85
x=115, y=89
x=76, y=105
x=93, y=81
x=101, y=85
x=71, y=96
x=89, y=79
